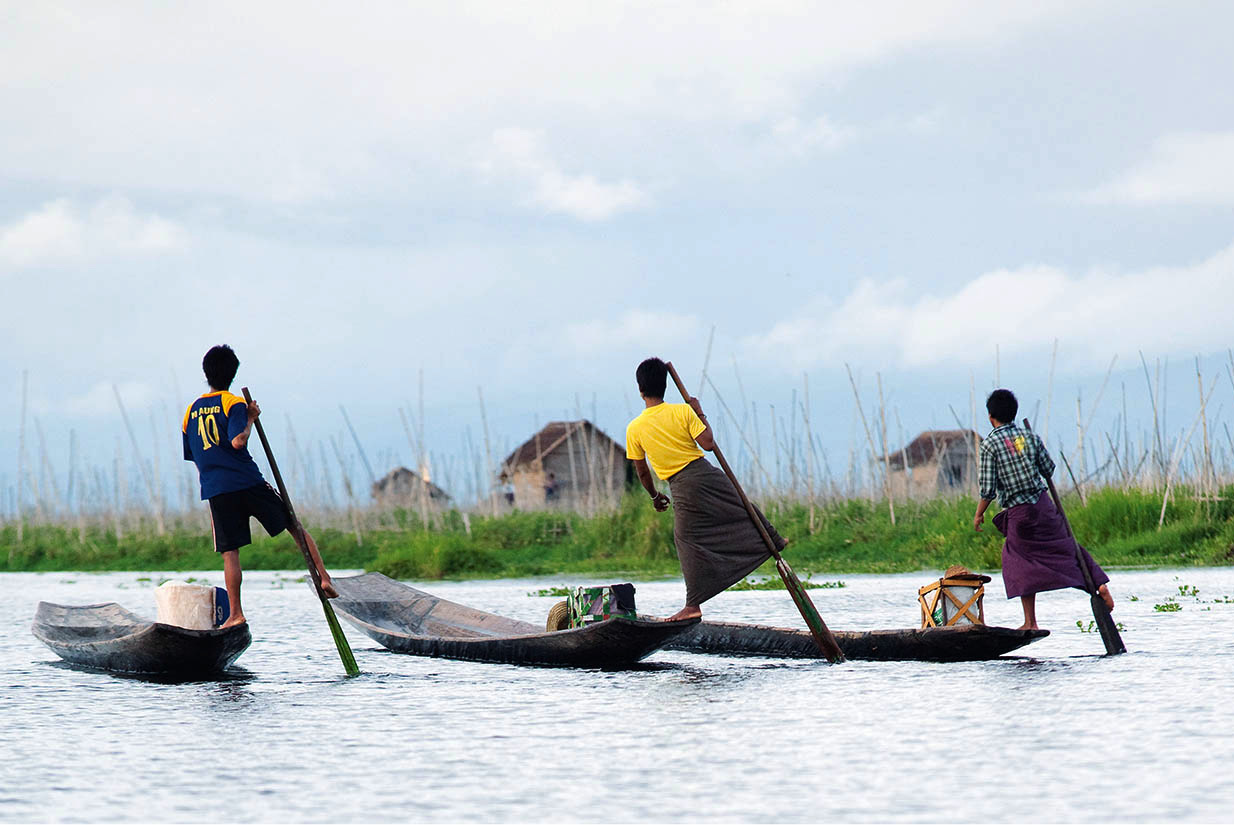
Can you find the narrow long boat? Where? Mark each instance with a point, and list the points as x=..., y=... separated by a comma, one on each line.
x=406, y=620
x=108, y=637
x=968, y=643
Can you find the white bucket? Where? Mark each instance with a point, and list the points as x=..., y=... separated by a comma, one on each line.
x=185, y=605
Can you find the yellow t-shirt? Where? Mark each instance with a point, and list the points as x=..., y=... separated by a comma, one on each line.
x=664, y=434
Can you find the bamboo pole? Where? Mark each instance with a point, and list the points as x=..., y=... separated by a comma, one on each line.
x=76, y=489
x=882, y=416
x=1079, y=438
x=741, y=432
x=155, y=500
x=1179, y=450
x=811, y=459
x=1158, y=459
x=1100, y=394
x=793, y=474
x=775, y=446
x=359, y=447
x=904, y=455
x=47, y=473
x=21, y=462
x=419, y=492
x=870, y=438
x=351, y=498
x=118, y=500
x=588, y=506
x=1165, y=395
x=327, y=483
x=488, y=452
x=702, y=378
x=972, y=403
x=1207, y=482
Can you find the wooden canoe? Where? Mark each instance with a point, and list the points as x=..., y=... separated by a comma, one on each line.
x=108, y=637
x=406, y=620
x=969, y=643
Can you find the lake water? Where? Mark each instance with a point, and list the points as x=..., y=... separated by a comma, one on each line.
x=1057, y=733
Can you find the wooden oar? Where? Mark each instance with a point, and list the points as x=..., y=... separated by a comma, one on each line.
x=818, y=628
x=1105, y=622
x=297, y=533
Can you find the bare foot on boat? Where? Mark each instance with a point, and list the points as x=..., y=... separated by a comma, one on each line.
x=1027, y=626
x=232, y=621
x=1104, y=592
x=690, y=611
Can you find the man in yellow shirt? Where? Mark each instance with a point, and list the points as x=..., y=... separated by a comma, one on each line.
x=717, y=544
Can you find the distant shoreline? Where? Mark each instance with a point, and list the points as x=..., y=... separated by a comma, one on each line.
x=1119, y=526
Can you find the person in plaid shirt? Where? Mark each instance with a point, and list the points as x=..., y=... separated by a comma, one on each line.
x=1039, y=552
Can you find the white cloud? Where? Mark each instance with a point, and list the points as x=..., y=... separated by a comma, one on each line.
x=99, y=401
x=817, y=134
x=1180, y=310
x=282, y=101
x=1185, y=167
x=521, y=153
x=61, y=231
x=637, y=329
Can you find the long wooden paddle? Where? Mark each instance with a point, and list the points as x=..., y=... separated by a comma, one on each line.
x=1105, y=622
x=297, y=533
x=818, y=628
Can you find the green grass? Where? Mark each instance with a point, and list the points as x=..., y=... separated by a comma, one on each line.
x=854, y=536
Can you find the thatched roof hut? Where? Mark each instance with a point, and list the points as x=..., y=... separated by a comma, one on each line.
x=937, y=461
x=402, y=486
x=570, y=462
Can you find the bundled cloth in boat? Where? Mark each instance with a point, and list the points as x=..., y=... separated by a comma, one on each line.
x=717, y=543
x=1039, y=553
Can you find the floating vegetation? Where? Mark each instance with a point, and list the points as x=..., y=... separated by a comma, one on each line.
x=1169, y=606
x=1133, y=598
x=1189, y=590
x=778, y=584
x=1091, y=627
x=551, y=591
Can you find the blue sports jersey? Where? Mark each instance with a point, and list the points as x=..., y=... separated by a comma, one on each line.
x=210, y=423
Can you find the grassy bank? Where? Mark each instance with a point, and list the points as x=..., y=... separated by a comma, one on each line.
x=1119, y=526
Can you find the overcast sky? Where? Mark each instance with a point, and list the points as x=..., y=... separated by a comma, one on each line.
x=530, y=198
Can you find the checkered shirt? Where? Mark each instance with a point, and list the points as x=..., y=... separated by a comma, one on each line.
x=1013, y=463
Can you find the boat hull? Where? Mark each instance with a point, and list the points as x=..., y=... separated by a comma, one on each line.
x=108, y=637
x=970, y=643
x=406, y=620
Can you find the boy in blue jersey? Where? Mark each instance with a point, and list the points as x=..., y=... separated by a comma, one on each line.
x=216, y=432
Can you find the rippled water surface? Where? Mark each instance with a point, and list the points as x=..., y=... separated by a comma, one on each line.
x=1057, y=733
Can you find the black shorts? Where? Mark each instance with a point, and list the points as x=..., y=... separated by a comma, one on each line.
x=230, y=512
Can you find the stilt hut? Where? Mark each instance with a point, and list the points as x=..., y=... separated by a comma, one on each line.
x=567, y=463
x=402, y=487
x=937, y=462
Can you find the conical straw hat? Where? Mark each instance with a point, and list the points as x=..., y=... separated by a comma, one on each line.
x=959, y=571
